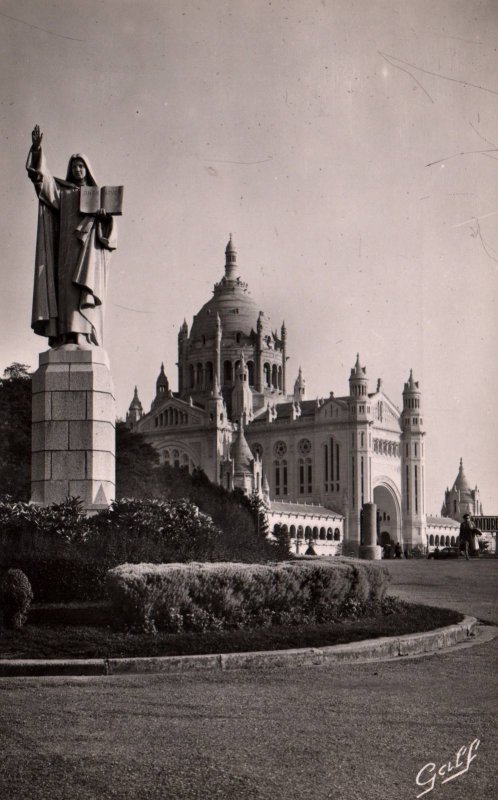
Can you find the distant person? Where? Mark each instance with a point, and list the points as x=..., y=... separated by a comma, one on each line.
x=398, y=553
x=467, y=539
x=436, y=552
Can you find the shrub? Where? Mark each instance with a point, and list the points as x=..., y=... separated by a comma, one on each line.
x=66, y=555
x=16, y=598
x=196, y=596
x=151, y=530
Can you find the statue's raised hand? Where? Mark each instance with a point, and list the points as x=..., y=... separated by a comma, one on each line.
x=36, y=137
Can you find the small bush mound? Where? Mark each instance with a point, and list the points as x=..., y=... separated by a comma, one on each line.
x=199, y=597
x=16, y=596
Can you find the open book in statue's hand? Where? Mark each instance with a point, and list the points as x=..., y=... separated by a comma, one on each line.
x=94, y=198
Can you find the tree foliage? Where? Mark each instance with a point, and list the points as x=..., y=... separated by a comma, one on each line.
x=136, y=461
x=15, y=432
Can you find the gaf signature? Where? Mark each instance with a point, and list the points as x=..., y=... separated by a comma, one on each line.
x=448, y=771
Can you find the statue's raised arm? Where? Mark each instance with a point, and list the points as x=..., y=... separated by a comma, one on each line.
x=72, y=251
x=36, y=137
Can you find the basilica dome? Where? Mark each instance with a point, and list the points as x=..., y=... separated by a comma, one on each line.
x=232, y=302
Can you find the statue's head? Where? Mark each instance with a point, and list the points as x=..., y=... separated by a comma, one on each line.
x=79, y=171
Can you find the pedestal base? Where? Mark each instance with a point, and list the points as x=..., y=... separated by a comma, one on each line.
x=73, y=431
x=370, y=552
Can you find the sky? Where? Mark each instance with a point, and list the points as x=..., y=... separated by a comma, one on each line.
x=351, y=149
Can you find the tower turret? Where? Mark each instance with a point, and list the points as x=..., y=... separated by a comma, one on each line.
x=231, y=267
x=299, y=387
x=182, y=356
x=241, y=393
x=413, y=464
x=135, y=411
x=162, y=387
x=360, y=472
x=283, y=336
x=358, y=381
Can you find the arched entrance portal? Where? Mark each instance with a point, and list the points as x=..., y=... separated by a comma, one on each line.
x=388, y=514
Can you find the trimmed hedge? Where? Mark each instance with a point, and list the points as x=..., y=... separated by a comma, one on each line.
x=174, y=597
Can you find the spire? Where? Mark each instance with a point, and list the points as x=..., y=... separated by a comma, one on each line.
x=358, y=371
x=135, y=403
x=461, y=481
x=135, y=411
x=358, y=381
x=411, y=386
x=300, y=387
x=162, y=384
x=231, y=268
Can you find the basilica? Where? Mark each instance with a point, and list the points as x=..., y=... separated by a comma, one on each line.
x=239, y=416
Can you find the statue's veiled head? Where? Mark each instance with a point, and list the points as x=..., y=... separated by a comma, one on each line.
x=79, y=171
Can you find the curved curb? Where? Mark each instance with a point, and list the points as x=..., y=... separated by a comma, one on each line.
x=356, y=652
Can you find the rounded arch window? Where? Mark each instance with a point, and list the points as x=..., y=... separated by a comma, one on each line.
x=304, y=447
x=292, y=530
x=300, y=532
x=337, y=535
x=280, y=448
x=322, y=533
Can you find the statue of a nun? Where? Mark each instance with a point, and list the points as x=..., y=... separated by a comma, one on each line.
x=72, y=253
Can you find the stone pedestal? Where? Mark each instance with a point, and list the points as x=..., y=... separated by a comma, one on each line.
x=73, y=431
x=369, y=548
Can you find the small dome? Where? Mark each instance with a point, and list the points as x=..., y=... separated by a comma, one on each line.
x=241, y=453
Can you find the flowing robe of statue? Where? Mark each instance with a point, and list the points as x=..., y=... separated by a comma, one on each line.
x=72, y=257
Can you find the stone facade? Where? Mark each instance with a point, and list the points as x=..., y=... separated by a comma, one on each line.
x=336, y=453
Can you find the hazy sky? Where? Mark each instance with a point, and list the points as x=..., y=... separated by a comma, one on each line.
x=350, y=147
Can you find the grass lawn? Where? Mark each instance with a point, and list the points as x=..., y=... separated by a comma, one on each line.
x=92, y=641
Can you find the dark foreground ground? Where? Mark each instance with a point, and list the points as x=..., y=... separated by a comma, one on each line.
x=349, y=733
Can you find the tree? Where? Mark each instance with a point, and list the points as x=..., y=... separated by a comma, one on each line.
x=15, y=432
x=136, y=462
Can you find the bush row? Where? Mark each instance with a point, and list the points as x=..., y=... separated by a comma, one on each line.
x=174, y=597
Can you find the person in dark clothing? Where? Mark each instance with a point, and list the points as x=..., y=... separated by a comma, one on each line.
x=468, y=534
